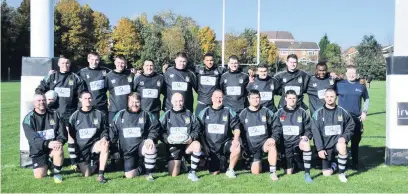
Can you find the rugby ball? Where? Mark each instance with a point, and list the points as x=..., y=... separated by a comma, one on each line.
x=178, y=138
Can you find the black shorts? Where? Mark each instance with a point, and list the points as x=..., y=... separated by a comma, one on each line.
x=42, y=160
x=292, y=149
x=219, y=158
x=331, y=154
x=85, y=155
x=175, y=151
x=131, y=160
x=257, y=154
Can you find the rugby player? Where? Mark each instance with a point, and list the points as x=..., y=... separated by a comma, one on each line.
x=332, y=128
x=135, y=129
x=208, y=80
x=88, y=128
x=296, y=135
x=181, y=121
x=262, y=133
x=221, y=135
x=233, y=83
x=293, y=79
x=94, y=78
x=46, y=136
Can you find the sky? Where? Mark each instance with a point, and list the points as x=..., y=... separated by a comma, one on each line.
x=345, y=21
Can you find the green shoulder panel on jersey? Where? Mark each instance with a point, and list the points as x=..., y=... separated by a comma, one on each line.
x=47, y=77
x=72, y=116
x=151, y=116
x=269, y=111
x=163, y=115
x=232, y=113
x=202, y=112
x=27, y=118
x=344, y=110
x=316, y=113
x=117, y=115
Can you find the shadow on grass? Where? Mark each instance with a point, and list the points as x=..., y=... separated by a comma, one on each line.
x=375, y=113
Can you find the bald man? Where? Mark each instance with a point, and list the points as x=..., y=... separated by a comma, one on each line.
x=180, y=120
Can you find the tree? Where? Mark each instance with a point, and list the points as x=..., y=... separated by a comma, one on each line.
x=250, y=35
x=173, y=42
x=192, y=44
x=234, y=45
x=273, y=53
x=369, y=59
x=207, y=39
x=324, y=41
x=9, y=35
x=153, y=45
x=101, y=33
x=333, y=55
x=126, y=40
x=264, y=49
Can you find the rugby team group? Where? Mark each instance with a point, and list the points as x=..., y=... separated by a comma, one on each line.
x=114, y=115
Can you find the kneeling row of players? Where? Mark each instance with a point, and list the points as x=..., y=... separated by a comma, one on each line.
x=218, y=128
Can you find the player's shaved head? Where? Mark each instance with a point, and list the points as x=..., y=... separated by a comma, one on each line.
x=216, y=98
x=177, y=100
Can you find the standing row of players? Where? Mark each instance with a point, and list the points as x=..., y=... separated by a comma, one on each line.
x=233, y=84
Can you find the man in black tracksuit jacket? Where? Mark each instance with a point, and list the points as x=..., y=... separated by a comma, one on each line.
x=296, y=134
x=68, y=86
x=293, y=79
x=221, y=135
x=318, y=84
x=149, y=85
x=119, y=84
x=208, y=80
x=267, y=87
x=88, y=128
x=46, y=136
x=94, y=77
x=262, y=132
x=332, y=128
x=179, y=79
x=234, y=84
x=180, y=120
x=135, y=129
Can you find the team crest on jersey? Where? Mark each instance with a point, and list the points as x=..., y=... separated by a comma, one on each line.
x=77, y=122
x=87, y=76
x=284, y=80
x=55, y=81
x=171, y=75
x=215, y=72
x=225, y=81
x=113, y=81
x=187, y=120
x=299, y=119
x=129, y=79
x=95, y=121
x=141, y=120
x=241, y=81
x=255, y=86
x=300, y=80
x=340, y=117
x=224, y=118
x=207, y=117
x=103, y=72
x=331, y=82
x=187, y=79
x=123, y=120
x=246, y=120
x=142, y=83
x=264, y=118
x=70, y=82
x=201, y=71
x=52, y=122
x=314, y=84
x=158, y=84
x=272, y=87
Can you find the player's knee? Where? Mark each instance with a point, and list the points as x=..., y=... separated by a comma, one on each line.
x=236, y=151
x=129, y=175
x=341, y=147
x=304, y=146
x=196, y=146
x=39, y=175
x=327, y=172
x=105, y=149
x=271, y=149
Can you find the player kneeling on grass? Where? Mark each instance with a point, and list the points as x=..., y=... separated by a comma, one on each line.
x=180, y=130
x=296, y=134
x=332, y=128
x=46, y=136
x=221, y=134
x=88, y=132
x=136, y=129
x=262, y=133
